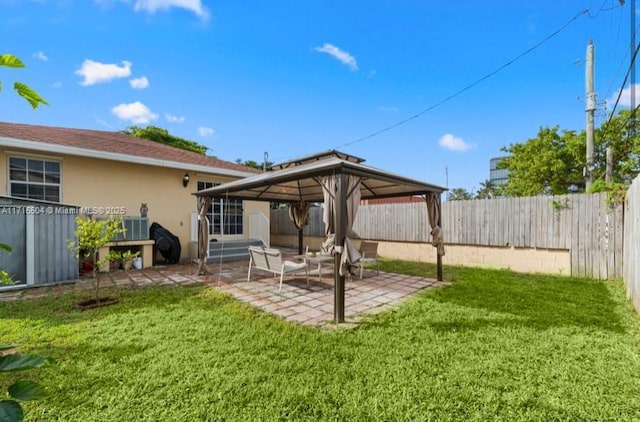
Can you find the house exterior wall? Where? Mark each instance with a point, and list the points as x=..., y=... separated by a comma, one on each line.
x=116, y=186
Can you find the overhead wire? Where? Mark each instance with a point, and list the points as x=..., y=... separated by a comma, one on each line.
x=622, y=62
x=586, y=12
x=603, y=9
x=632, y=115
x=624, y=82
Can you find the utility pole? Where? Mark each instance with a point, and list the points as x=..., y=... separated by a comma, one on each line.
x=632, y=79
x=591, y=108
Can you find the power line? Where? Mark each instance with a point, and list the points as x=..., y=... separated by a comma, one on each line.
x=603, y=9
x=622, y=62
x=477, y=82
x=632, y=115
x=624, y=82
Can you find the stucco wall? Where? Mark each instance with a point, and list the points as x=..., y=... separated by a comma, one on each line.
x=527, y=260
x=91, y=182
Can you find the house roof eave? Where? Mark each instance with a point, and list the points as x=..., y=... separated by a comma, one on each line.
x=104, y=155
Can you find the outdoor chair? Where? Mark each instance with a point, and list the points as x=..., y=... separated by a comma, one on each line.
x=369, y=255
x=268, y=259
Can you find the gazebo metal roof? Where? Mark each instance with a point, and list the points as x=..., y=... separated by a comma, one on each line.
x=301, y=182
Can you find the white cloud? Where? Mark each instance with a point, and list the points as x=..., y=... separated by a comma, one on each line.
x=137, y=112
x=625, y=98
x=96, y=72
x=139, y=83
x=56, y=84
x=40, y=56
x=206, y=132
x=152, y=6
x=174, y=119
x=453, y=143
x=342, y=56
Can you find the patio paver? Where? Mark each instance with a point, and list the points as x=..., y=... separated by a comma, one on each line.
x=297, y=302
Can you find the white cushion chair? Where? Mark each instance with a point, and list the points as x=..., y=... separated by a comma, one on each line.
x=269, y=259
x=369, y=255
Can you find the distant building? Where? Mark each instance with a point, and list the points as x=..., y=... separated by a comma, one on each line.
x=497, y=176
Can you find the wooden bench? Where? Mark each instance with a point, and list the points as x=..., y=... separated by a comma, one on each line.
x=145, y=246
x=268, y=259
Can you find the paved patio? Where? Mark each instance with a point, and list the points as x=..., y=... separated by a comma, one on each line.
x=308, y=305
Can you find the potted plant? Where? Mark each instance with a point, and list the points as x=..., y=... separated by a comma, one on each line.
x=127, y=259
x=91, y=235
x=115, y=260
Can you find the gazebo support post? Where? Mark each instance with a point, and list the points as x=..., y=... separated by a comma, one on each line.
x=341, y=222
x=439, y=259
x=300, y=241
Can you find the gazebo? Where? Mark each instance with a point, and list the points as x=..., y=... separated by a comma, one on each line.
x=339, y=180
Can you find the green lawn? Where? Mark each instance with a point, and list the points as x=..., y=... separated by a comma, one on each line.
x=494, y=345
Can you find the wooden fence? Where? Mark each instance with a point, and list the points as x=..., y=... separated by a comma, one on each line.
x=586, y=225
x=632, y=244
x=583, y=224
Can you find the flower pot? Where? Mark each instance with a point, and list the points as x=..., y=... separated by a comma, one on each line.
x=127, y=264
x=137, y=263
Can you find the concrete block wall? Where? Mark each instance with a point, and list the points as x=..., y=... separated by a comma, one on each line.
x=526, y=260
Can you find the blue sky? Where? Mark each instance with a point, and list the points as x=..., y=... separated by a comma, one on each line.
x=292, y=78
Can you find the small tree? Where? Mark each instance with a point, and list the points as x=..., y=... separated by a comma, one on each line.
x=91, y=235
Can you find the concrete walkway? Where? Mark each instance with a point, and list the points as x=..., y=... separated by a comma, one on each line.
x=309, y=305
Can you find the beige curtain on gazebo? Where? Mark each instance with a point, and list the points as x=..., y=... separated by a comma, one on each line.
x=299, y=214
x=348, y=250
x=329, y=212
x=433, y=211
x=204, y=202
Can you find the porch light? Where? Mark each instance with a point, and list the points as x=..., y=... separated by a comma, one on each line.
x=185, y=179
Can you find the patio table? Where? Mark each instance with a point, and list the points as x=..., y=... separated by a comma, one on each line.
x=315, y=259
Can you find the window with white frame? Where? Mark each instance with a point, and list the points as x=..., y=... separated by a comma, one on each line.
x=226, y=217
x=34, y=178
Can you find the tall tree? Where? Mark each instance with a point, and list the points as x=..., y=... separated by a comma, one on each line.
x=548, y=163
x=459, y=194
x=487, y=190
x=554, y=160
x=621, y=134
x=160, y=135
x=254, y=164
x=22, y=89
